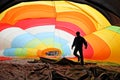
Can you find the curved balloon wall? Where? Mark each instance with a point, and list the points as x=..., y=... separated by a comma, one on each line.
x=30, y=27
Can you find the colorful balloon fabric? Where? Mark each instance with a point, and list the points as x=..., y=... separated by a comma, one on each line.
x=28, y=28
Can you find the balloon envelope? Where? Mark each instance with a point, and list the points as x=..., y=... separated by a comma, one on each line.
x=28, y=29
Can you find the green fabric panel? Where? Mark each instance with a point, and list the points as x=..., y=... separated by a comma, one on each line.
x=33, y=43
x=20, y=52
x=114, y=28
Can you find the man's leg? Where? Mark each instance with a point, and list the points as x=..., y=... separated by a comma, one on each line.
x=75, y=53
x=82, y=57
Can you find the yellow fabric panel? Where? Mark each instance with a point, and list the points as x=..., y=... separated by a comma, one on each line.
x=31, y=52
x=41, y=46
x=113, y=40
x=99, y=19
x=66, y=6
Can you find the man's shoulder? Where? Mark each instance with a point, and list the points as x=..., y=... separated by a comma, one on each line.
x=81, y=37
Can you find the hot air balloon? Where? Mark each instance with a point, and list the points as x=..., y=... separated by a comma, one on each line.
x=47, y=29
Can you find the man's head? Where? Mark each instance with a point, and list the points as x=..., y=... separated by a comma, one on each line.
x=78, y=33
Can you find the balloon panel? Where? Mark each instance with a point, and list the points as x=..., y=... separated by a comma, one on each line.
x=30, y=29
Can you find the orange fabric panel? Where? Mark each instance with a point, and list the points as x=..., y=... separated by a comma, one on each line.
x=29, y=11
x=78, y=19
x=101, y=49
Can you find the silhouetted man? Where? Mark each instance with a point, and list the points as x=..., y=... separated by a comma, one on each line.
x=78, y=43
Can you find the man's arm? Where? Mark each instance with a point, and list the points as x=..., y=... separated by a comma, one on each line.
x=85, y=43
x=73, y=44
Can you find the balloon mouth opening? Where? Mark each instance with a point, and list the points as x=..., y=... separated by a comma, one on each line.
x=53, y=53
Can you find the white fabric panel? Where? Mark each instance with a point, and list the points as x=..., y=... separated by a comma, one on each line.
x=7, y=36
x=1, y=52
x=64, y=35
x=40, y=29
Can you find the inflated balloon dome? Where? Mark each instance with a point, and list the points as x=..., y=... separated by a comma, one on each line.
x=29, y=28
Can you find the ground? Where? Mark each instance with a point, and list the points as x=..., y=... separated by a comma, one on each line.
x=64, y=69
